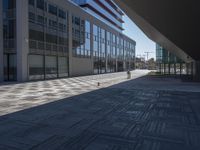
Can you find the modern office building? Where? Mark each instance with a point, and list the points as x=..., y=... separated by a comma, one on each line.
x=168, y=63
x=45, y=39
x=105, y=10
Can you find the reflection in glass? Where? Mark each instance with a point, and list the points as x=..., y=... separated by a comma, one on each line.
x=50, y=67
x=62, y=67
x=36, y=67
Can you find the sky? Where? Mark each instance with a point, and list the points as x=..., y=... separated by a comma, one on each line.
x=143, y=43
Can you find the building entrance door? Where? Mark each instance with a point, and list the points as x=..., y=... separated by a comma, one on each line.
x=10, y=69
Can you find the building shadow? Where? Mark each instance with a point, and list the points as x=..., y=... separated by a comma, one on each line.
x=112, y=117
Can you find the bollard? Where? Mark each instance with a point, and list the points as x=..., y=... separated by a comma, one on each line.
x=98, y=84
x=128, y=74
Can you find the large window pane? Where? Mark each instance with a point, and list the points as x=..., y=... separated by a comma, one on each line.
x=9, y=4
x=50, y=67
x=52, y=9
x=40, y=4
x=32, y=2
x=36, y=67
x=62, y=67
x=62, y=14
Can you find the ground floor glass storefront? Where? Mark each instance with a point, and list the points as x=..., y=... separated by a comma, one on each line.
x=169, y=68
x=47, y=67
x=168, y=63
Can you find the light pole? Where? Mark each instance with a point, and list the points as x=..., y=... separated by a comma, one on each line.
x=147, y=53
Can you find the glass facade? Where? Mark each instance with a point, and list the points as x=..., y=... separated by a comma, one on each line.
x=81, y=37
x=99, y=49
x=48, y=40
x=108, y=48
x=168, y=63
x=102, y=48
x=9, y=40
x=105, y=11
x=36, y=67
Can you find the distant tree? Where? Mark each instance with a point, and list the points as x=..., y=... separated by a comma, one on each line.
x=151, y=64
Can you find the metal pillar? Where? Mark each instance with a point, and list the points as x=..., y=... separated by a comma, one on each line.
x=180, y=69
x=196, y=70
x=164, y=68
x=169, y=67
x=175, y=68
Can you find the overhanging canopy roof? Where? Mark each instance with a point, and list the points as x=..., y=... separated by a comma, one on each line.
x=174, y=24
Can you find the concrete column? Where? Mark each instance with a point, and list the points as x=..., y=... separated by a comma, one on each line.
x=196, y=69
x=1, y=41
x=70, y=44
x=22, y=39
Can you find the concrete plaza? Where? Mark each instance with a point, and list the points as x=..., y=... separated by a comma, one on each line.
x=145, y=112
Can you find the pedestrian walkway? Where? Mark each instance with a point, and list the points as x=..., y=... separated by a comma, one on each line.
x=15, y=97
x=143, y=113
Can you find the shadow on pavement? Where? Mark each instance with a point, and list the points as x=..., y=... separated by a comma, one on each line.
x=118, y=117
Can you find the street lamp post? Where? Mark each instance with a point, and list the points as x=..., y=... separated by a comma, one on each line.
x=147, y=53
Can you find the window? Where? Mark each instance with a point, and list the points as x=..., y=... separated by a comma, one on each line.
x=31, y=2
x=80, y=38
x=31, y=16
x=50, y=67
x=53, y=23
x=36, y=35
x=40, y=4
x=9, y=4
x=51, y=38
x=62, y=14
x=36, y=67
x=62, y=27
x=40, y=19
x=52, y=9
x=108, y=44
x=63, y=41
x=103, y=48
x=10, y=68
x=113, y=45
x=9, y=28
x=95, y=44
x=77, y=21
x=62, y=67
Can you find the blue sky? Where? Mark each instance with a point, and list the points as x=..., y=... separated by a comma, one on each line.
x=143, y=43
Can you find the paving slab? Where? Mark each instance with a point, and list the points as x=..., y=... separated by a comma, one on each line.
x=145, y=112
